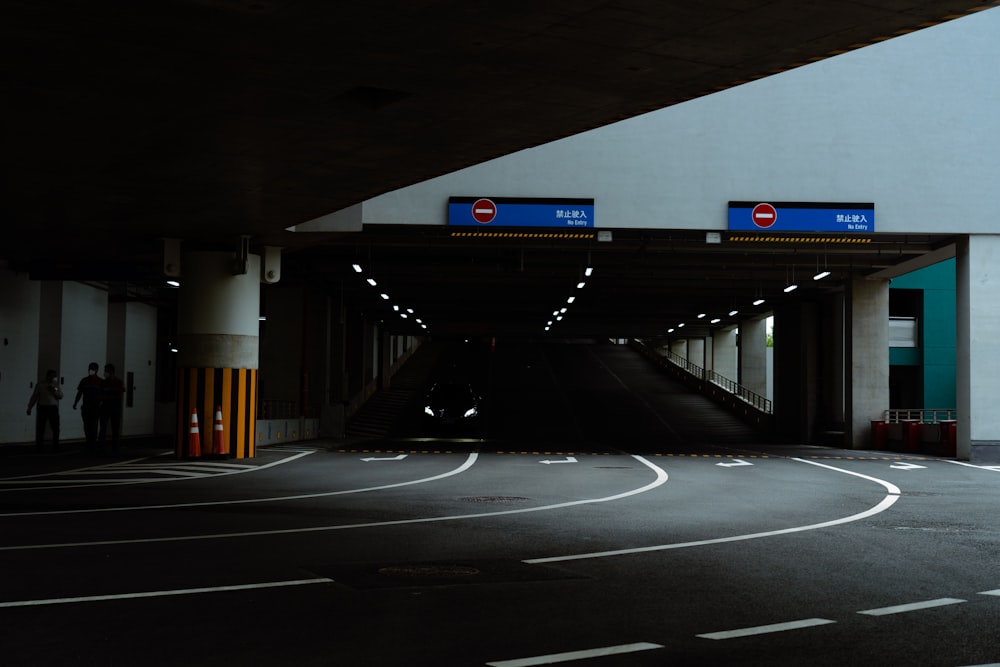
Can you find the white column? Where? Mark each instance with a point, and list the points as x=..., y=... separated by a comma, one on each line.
x=753, y=355
x=978, y=348
x=724, y=355
x=867, y=363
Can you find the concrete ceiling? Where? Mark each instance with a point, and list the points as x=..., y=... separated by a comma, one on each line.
x=209, y=119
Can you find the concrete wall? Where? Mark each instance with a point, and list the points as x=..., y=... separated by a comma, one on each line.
x=910, y=123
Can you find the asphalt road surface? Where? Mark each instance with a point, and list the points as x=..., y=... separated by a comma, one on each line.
x=600, y=516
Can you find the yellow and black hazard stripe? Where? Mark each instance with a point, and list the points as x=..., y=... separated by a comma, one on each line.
x=234, y=392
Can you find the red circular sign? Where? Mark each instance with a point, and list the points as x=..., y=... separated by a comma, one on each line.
x=764, y=215
x=483, y=211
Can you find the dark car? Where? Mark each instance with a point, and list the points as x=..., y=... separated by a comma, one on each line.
x=451, y=404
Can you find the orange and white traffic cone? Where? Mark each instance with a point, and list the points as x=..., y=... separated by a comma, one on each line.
x=219, y=444
x=194, y=436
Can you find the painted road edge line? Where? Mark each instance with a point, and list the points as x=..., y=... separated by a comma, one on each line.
x=469, y=461
x=887, y=502
x=914, y=606
x=767, y=629
x=159, y=594
x=576, y=655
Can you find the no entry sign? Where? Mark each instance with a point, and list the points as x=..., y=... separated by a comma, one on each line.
x=764, y=215
x=483, y=211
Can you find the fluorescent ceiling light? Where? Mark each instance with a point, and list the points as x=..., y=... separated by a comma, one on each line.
x=733, y=312
x=791, y=288
x=562, y=310
x=758, y=302
x=571, y=299
x=371, y=281
x=173, y=283
x=701, y=315
x=385, y=296
x=589, y=271
x=581, y=285
x=821, y=275
x=396, y=308
x=680, y=325
x=356, y=267
x=716, y=320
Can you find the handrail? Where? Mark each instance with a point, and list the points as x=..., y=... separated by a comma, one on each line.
x=759, y=402
x=895, y=416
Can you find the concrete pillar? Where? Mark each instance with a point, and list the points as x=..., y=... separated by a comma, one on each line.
x=696, y=351
x=867, y=358
x=724, y=355
x=680, y=348
x=218, y=335
x=795, y=371
x=753, y=355
x=978, y=348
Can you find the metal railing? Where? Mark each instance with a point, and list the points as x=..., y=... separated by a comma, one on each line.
x=759, y=402
x=922, y=415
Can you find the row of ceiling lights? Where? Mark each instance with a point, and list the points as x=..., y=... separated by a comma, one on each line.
x=758, y=301
x=557, y=315
x=404, y=313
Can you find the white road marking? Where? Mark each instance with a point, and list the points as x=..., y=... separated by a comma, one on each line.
x=51, y=478
x=915, y=606
x=570, y=656
x=767, y=629
x=995, y=592
x=158, y=594
x=132, y=508
x=568, y=459
x=971, y=465
x=661, y=478
x=906, y=466
x=385, y=458
x=735, y=463
x=885, y=504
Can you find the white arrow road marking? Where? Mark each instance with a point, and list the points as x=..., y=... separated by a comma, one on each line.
x=735, y=463
x=393, y=458
x=569, y=459
x=906, y=466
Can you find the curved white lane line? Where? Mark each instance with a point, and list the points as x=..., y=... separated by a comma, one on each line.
x=661, y=478
x=132, y=508
x=885, y=504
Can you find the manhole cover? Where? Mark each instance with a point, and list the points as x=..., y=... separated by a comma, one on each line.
x=428, y=571
x=493, y=499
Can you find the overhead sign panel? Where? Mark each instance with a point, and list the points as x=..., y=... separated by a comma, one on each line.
x=520, y=212
x=853, y=218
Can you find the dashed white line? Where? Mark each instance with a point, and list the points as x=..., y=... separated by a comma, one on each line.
x=767, y=629
x=913, y=606
x=570, y=656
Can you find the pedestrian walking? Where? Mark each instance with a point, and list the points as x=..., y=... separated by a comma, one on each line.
x=89, y=390
x=46, y=397
x=112, y=402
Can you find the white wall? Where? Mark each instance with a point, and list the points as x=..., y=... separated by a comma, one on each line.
x=911, y=124
x=19, y=320
x=87, y=329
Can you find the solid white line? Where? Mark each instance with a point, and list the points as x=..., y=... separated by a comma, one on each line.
x=885, y=504
x=132, y=508
x=767, y=629
x=576, y=655
x=157, y=594
x=81, y=484
x=995, y=592
x=970, y=465
x=661, y=478
x=915, y=606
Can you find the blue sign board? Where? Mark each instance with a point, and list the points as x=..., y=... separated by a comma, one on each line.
x=749, y=216
x=520, y=212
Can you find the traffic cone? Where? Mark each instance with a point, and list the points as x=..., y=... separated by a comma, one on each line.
x=219, y=444
x=194, y=437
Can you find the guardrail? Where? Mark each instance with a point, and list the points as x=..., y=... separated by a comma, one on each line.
x=756, y=400
x=922, y=415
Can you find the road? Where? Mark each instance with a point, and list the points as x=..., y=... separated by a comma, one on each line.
x=628, y=537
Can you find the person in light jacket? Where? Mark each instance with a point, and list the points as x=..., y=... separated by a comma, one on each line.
x=46, y=396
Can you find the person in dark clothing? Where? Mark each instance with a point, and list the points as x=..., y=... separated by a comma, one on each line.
x=89, y=390
x=46, y=395
x=112, y=401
